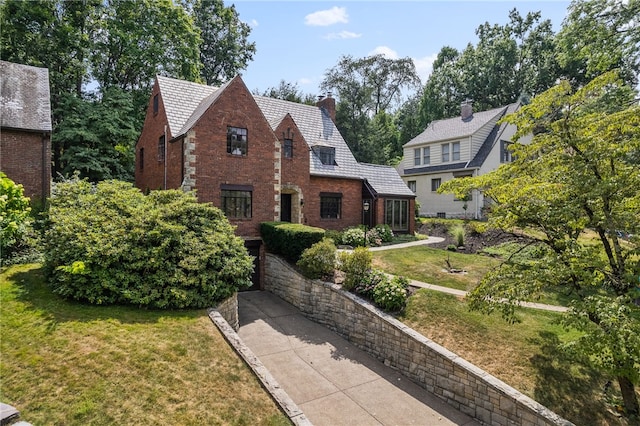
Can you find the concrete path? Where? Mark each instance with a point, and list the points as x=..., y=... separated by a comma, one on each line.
x=330, y=380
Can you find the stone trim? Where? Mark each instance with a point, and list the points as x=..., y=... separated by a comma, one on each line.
x=443, y=373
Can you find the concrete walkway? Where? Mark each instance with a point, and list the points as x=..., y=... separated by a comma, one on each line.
x=330, y=380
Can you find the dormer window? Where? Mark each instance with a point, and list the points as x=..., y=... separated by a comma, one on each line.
x=287, y=149
x=326, y=154
x=237, y=141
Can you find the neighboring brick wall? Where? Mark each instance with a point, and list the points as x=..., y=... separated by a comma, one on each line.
x=24, y=161
x=351, y=190
x=443, y=373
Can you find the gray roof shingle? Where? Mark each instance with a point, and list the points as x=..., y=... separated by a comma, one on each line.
x=385, y=180
x=181, y=98
x=25, y=101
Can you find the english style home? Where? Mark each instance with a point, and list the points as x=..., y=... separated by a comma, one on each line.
x=25, y=128
x=469, y=145
x=261, y=159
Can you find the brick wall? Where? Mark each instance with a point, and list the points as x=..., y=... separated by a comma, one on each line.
x=443, y=373
x=351, y=190
x=25, y=157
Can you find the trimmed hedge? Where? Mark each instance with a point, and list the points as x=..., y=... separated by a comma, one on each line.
x=289, y=239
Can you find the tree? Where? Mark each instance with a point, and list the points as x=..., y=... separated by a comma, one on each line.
x=288, y=92
x=365, y=87
x=598, y=36
x=15, y=218
x=224, y=47
x=580, y=174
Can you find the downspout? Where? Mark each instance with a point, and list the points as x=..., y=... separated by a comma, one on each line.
x=166, y=142
x=45, y=181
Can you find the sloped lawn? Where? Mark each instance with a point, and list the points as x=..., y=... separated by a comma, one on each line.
x=73, y=364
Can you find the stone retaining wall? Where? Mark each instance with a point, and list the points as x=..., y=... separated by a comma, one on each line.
x=443, y=373
x=228, y=309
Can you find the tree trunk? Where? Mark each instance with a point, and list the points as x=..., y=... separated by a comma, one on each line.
x=629, y=396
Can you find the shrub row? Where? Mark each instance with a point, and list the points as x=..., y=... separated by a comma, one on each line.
x=289, y=239
x=361, y=236
x=108, y=243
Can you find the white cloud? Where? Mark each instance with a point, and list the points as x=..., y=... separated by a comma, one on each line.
x=424, y=66
x=385, y=51
x=252, y=23
x=342, y=35
x=304, y=81
x=323, y=18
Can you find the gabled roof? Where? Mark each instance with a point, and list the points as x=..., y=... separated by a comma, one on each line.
x=25, y=101
x=456, y=127
x=492, y=139
x=384, y=180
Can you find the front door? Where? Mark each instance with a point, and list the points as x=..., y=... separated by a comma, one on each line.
x=285, y=207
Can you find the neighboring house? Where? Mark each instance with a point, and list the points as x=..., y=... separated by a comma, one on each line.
x=25, y=133
x=262, y=159
x=469, y=145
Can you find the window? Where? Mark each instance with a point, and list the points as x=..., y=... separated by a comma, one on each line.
x=236, y=141
x=330, y=205
x=156, y=104
x=327, y=154
x=445, y=152
x=236, y=204
x=397, y=214
x=288, y=148
x=426, y=155
x=416, y=157
x=162, y=148
x=506, y=156
x=435, y=184
x=141, y=158
x=455, y=151
x=412, y=185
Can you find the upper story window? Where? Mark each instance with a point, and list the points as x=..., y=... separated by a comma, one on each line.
x=506, y=156
x=445, y=152
x=426, y=155
x=412, y=185
x=156, y=104
x=455, y=151
x=287, y=150
x=416, y=157
x=141, y=158
x=237, y=141
x=327, y=154
x=162, y=148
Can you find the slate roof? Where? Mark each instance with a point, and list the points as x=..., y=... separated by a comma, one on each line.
x=25, y=101
x=185, y=102
x=454, y=127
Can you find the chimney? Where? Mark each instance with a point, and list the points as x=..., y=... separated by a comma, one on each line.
x=328, y=104
x=466, y=110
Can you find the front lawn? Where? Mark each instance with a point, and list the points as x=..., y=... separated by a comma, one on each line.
x=74, y=364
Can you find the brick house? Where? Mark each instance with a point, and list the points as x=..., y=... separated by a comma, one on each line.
x=25, y=128
x=471, y=144
x=262, y=159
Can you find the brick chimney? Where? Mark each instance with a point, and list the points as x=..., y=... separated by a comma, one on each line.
x=466, y=110
x=328, y=104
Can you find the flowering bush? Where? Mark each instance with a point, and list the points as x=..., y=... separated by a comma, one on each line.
x=366, y=286
x=385, y=233
x=391, y=295
x=373, y=238
x=354, y=237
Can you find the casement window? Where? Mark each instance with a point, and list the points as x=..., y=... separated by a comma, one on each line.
x=236, y=201
x=506, y=156
x=416, y=157
x=237, y=141
x=141, y=162
x=445, y=152
x=412, y=185
x=397, y=214
x=330, y=205
x=287, y=150
x=156, y=104
x=326, y=154
x=162, y=148
x=455, y=151
x=435, y=184
x=426, y=155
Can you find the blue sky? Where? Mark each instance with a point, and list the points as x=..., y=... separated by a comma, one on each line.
x=297, y=41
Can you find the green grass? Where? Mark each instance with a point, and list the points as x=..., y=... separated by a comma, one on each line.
x=74, y=364
x=429, y=265
x=523, y=355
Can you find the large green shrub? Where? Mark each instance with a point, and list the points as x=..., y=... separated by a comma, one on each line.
x=289, y=239
x=109, y=243
x=355, y=265
x=319, y=260
x=15, y=219
x=369, y=282
x=391, y=295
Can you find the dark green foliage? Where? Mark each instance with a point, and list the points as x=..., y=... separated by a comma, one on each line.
x=289, y=239
x=108, y=243
x=319, y=260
